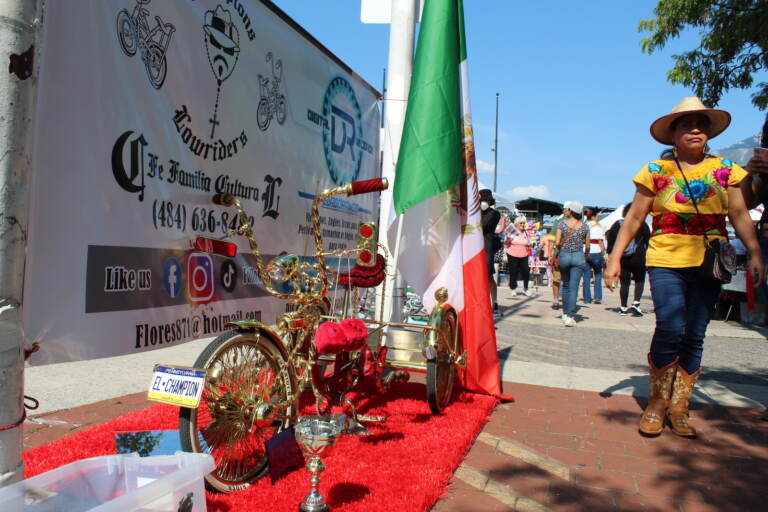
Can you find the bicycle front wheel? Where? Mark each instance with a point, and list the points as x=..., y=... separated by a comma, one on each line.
x=243, y=375
x=441, y=371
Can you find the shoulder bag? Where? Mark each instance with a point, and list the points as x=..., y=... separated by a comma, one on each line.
x=556, y=250
x=719, y=255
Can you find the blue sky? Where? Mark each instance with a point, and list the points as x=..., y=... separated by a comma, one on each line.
x=577, y=94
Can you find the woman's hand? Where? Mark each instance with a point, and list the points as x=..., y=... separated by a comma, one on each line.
x=757, y=269
x=757, y=166
x=611, y=273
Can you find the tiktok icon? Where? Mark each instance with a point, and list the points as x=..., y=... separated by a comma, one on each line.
x=228, y=275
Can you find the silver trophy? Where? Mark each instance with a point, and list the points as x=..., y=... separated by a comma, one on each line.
x=315, y=434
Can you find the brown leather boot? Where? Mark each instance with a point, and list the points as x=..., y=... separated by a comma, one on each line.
x=677, y=413
x=652, y=422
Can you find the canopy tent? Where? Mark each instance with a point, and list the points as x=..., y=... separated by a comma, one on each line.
x=537, y=209
x=607, y=221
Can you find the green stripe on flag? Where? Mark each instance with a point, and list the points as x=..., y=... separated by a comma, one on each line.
x=431, y=158
x=462, y=37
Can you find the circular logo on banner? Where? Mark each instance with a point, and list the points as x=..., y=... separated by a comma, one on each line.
x=172, y=277
x=343, y=133
x=228, y=275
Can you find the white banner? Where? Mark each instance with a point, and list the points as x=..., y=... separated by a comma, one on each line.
x=147, y=109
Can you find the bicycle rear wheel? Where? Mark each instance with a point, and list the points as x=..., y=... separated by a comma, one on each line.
x=243, y=374
x=441, y=370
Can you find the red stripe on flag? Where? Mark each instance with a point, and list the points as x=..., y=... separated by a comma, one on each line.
x=477, y=330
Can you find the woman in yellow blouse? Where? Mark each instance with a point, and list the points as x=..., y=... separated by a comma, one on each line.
x=682, y=299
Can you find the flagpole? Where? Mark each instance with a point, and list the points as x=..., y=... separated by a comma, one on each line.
x=404, y=14
x=496, y=143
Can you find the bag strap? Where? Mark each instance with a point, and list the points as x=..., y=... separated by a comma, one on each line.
x=567, y=236
x=693, y=199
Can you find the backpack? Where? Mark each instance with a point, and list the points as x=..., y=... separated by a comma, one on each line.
x=632, y=245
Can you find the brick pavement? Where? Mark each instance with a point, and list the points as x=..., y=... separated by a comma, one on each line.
x=565, y=450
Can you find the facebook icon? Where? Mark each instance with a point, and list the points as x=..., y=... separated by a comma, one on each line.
x=172, y=277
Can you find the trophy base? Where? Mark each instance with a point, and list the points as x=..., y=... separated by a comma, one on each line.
x=303, y=507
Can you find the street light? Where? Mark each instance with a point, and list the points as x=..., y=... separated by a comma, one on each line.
x=496, y=143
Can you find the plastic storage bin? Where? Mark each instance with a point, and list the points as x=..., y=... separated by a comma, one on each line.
x=115, y=483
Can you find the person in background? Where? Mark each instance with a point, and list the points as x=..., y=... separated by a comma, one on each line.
x=517, y=245
x=550, y=250
x=595, y=258
x=632, y=264
x=674, y=189
x=572, y=240
x=489, y=218
x=756, y=193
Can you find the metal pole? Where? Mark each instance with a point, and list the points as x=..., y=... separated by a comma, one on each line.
x=18, y=23
x=496, y=143
x=402, y=30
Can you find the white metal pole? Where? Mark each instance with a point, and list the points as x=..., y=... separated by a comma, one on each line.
x=399, y=69
x=18, y=21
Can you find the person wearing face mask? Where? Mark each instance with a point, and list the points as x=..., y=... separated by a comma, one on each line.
x=688, y=193
x=489, y=218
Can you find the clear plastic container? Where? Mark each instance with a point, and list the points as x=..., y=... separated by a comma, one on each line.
x=115, y=483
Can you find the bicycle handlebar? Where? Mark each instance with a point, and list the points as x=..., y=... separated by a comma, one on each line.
x=313, y=276
x=222, y=199
x=366, y=186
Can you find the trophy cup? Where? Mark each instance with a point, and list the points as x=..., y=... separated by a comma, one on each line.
x=315, y=434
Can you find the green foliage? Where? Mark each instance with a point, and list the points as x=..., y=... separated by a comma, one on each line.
x=733, y=45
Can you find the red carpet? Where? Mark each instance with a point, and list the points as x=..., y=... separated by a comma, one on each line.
x=404, y=466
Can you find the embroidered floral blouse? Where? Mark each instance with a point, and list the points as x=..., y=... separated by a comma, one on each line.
x=677, y=232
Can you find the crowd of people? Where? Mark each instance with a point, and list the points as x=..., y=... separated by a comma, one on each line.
x=690, y=195
x=570, y=255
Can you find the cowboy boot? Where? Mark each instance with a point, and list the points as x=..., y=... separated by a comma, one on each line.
x=652, y=422
x=677, y=412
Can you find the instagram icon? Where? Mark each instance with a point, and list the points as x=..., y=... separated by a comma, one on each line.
x=200, y=277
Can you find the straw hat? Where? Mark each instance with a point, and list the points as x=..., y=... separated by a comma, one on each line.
x=718, y=119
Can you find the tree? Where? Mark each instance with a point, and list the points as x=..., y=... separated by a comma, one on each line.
x=733, y=45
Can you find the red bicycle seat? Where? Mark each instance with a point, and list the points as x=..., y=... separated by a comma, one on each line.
x=362, y=276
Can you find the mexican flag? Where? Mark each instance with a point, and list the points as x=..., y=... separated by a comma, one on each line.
x=436, y=191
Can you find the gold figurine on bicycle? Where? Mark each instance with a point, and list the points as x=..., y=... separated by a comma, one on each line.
x=255, y=373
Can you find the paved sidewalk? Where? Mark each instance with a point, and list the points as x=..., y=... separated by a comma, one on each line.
x=565, y=450
x=569, y=442
x=536, y=309
x=569, y=450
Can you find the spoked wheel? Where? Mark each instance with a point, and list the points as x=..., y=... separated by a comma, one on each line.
x=441, y=370
x=281, y=108
x=156, y=64
x=244, y=378
x=263, y=116
x=126, y=33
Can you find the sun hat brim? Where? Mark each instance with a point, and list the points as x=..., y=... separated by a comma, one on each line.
x=661, y=129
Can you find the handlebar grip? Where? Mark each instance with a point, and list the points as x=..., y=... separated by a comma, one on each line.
x=222, y=199
x=366, y=186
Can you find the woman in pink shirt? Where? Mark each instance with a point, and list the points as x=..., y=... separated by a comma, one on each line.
x=517, y=244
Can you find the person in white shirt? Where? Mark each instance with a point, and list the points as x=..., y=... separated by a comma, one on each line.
x=595, y=259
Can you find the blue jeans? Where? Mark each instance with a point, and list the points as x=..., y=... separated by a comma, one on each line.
x=683, y=304
x=571, y=268
x=594, y=262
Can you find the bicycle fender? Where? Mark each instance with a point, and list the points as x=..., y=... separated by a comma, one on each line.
x=255, y=325
x=436, y=317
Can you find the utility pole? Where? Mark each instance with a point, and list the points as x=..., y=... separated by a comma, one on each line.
x=496, y=143
x=402, y=29
x=18, y=25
